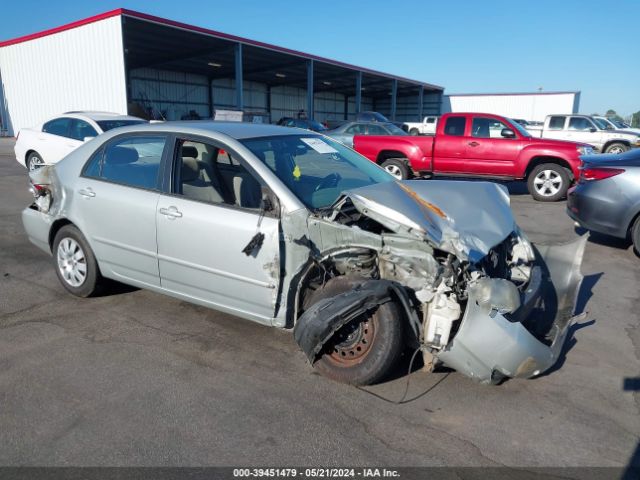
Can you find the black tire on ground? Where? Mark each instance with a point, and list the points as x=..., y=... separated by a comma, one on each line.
x=33, y=161
x=616, y=147
x=72, y=258
x=397, y=167
x=548, y=182
x=365, y=350
x=635, y=235
x=414, y=131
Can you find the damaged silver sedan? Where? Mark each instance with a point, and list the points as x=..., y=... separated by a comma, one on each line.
x=291, y=229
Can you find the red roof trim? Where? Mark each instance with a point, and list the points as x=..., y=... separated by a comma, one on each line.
x=193, y=28
x=68, y=26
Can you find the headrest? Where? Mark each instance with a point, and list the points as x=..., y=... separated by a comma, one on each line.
x=121, y=155
x=190, y=169
x=189, y=151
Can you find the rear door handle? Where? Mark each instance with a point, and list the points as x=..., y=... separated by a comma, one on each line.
x=171, y=212
x=473, y=144
x=87, y=192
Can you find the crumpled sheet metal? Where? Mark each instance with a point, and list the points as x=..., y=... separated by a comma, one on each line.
x=488, y=343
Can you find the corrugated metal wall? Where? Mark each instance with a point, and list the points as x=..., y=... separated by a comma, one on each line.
x=407, y=107
x=534, y=106
x=254, y=95
x=77, y=69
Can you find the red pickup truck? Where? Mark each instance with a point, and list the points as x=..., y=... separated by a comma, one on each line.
x=480, y=145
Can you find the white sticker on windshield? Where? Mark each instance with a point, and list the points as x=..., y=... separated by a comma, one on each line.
x=319, y=145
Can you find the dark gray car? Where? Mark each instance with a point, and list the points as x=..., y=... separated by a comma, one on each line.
x=607, y=196
x=345, y=132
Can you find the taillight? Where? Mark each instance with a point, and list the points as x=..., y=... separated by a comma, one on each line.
x=590, y=174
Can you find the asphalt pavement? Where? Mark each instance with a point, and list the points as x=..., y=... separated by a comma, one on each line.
x=140, y=379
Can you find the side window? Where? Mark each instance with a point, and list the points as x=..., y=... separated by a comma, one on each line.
x=483, y=127
x=376, y=130
x=578, y=123
x=58, y=126
x=133, y=161
x=208, y=173
x=455, y=126
x=556, y=123
x=431, y=120
x=81, y=129
x=356, y=129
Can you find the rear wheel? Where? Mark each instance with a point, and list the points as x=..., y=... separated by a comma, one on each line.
x=414, y=131
x=34, y=161
x=616, y=148
x=396, y=167
x=548, y=182
x=75, y=263
x=365, y=350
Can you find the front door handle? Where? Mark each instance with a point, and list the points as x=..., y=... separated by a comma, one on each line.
x=87, y=192
x=473, y=144
x=171, y=212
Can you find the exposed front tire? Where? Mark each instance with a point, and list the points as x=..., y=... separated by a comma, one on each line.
x=548, y=182
x=365, y=350
x=616, y=147
x=397, y=167
x=414, y=131
x=34, y=161
x=75, y=263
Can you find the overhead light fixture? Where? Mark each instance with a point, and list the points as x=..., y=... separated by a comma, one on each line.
x=363, y=89
x=327, y=83
x=280, y=75
x=214, y=64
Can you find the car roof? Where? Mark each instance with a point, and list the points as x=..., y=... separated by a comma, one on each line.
x=237, y=130
x=97, y=116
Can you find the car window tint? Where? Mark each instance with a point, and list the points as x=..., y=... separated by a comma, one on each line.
x=58, y=126
x=431, y=120
x=556, y=123
x=208, y=173
x=81, y=129
x=356, y=129
x=133, y=161
x=455, y=126
x=483, y=127
x=376, y=130
x=578, y=123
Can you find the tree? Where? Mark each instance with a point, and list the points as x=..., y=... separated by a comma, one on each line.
x=612, y=114
x=635, y=120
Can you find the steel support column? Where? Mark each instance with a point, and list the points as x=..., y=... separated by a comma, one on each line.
x=210, y=97
x=358, y=92
x=420, y=103
x=310, y=106
x=394, y=95
x=239, y=81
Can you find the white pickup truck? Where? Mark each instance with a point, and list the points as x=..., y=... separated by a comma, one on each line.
x=426, y=127
x=585, y=129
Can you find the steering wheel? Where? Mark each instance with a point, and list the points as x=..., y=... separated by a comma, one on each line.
x=329, y=181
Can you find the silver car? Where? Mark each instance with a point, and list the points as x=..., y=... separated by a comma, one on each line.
x=289, y=228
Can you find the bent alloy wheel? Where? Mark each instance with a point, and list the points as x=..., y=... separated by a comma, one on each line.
x=365, y=350
x=548, y=182
x=75, y=263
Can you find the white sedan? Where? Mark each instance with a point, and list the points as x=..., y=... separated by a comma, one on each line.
x=49, y=142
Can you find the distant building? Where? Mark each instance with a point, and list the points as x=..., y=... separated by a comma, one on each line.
x=529, y=106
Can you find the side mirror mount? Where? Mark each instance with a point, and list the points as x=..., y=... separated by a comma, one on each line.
x=507, y=133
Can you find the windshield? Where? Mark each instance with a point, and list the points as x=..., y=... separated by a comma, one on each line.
x=111, y=124
x=618, y=123
x=602, y=124
x=316, y=169
x=395, y=130
x=523, y=131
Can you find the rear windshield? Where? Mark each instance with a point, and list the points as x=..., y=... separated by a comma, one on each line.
x=111, y=124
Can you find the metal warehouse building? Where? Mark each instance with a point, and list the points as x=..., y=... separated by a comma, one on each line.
x=529, y=106
x=129, y=62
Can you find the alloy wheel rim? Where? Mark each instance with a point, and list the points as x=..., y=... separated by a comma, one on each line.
x=394, y=170
x=547, y=183
x=616, y=150
x=35, y=163
x=72, y=262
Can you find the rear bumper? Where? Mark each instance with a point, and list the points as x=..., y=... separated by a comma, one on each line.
x=598, y=207
x=37, y=226
x=489, y=346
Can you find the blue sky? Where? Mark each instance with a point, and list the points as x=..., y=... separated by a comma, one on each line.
x=466, y=46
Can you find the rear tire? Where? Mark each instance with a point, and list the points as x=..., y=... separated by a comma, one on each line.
x=75, y=263
x=34, y=161
x=616, y=148
x=635, y=235
x=397, y=167
x=548, y=182
x=414, y=131
x=365, y=350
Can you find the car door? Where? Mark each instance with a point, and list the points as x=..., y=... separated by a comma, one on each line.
x=55, y=142
x=206, y=224
x=488, y=150
x=116, y=197
x=582, y=130
x=451, y=147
